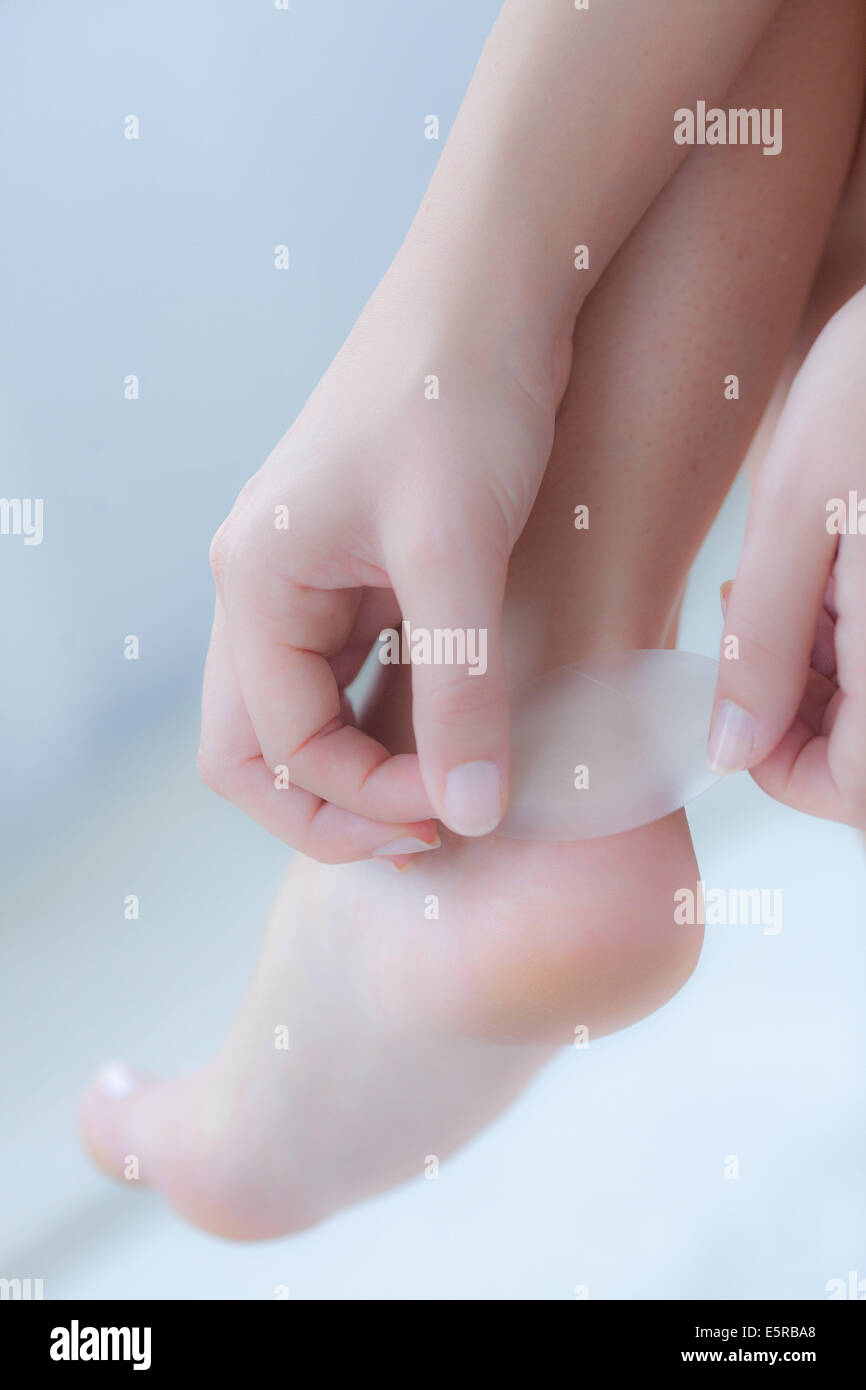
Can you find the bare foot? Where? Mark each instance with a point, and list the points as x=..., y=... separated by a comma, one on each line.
x=407, y=1031
x=394, y=1014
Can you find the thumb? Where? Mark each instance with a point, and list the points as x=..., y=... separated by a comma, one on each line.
x=450, y=589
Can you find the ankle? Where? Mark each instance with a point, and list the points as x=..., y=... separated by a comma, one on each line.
x=553, y=627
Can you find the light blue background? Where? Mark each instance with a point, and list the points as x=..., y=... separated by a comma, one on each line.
x=156, y=257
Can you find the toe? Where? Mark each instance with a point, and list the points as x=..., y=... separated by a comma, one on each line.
x=108, y=1117
x=191, y=1140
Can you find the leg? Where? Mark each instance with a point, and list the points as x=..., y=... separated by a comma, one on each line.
x=408, y=1031
x=713, y=282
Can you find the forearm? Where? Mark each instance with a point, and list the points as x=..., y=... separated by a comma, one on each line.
x=565, y=137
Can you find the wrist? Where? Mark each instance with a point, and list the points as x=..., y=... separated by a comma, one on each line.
x=499, y=256
x=488, y=295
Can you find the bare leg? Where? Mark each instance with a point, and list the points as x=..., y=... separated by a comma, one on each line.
x=712, y=283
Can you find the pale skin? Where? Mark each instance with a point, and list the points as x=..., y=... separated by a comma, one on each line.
x=400, y=505
x=408, y=1034
x=796, y=607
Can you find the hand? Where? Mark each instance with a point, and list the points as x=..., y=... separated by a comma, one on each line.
x=384, y=500
x=791, y=704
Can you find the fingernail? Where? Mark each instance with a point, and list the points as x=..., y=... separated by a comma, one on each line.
x=408, y=845
x=116, y=1079
x=724, y=592
x=732, y=737
x=473, y=798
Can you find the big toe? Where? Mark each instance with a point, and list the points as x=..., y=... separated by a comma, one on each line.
x=188, y=1139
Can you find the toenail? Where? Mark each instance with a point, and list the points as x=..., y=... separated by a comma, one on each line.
x=473, y=798
x=408, y=845
x=115, y=1079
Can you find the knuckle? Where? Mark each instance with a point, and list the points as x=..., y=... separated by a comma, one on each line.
x=430, y=552
x=320, y=843
x=211, y=771
x=431, y=531
x=757, y=646
x=462, y=699
x=852, y=789
x=219, y=552
x=228, y=543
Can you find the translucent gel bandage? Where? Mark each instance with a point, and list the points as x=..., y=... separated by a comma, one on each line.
x=609, y=744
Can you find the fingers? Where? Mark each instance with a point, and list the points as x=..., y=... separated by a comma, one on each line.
x=819, y=764
x=847, y=741
x=792, y=706
x=450, y=587
x=283, y=637
x=231, y=763
x=773, y=609
x=797, y=772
